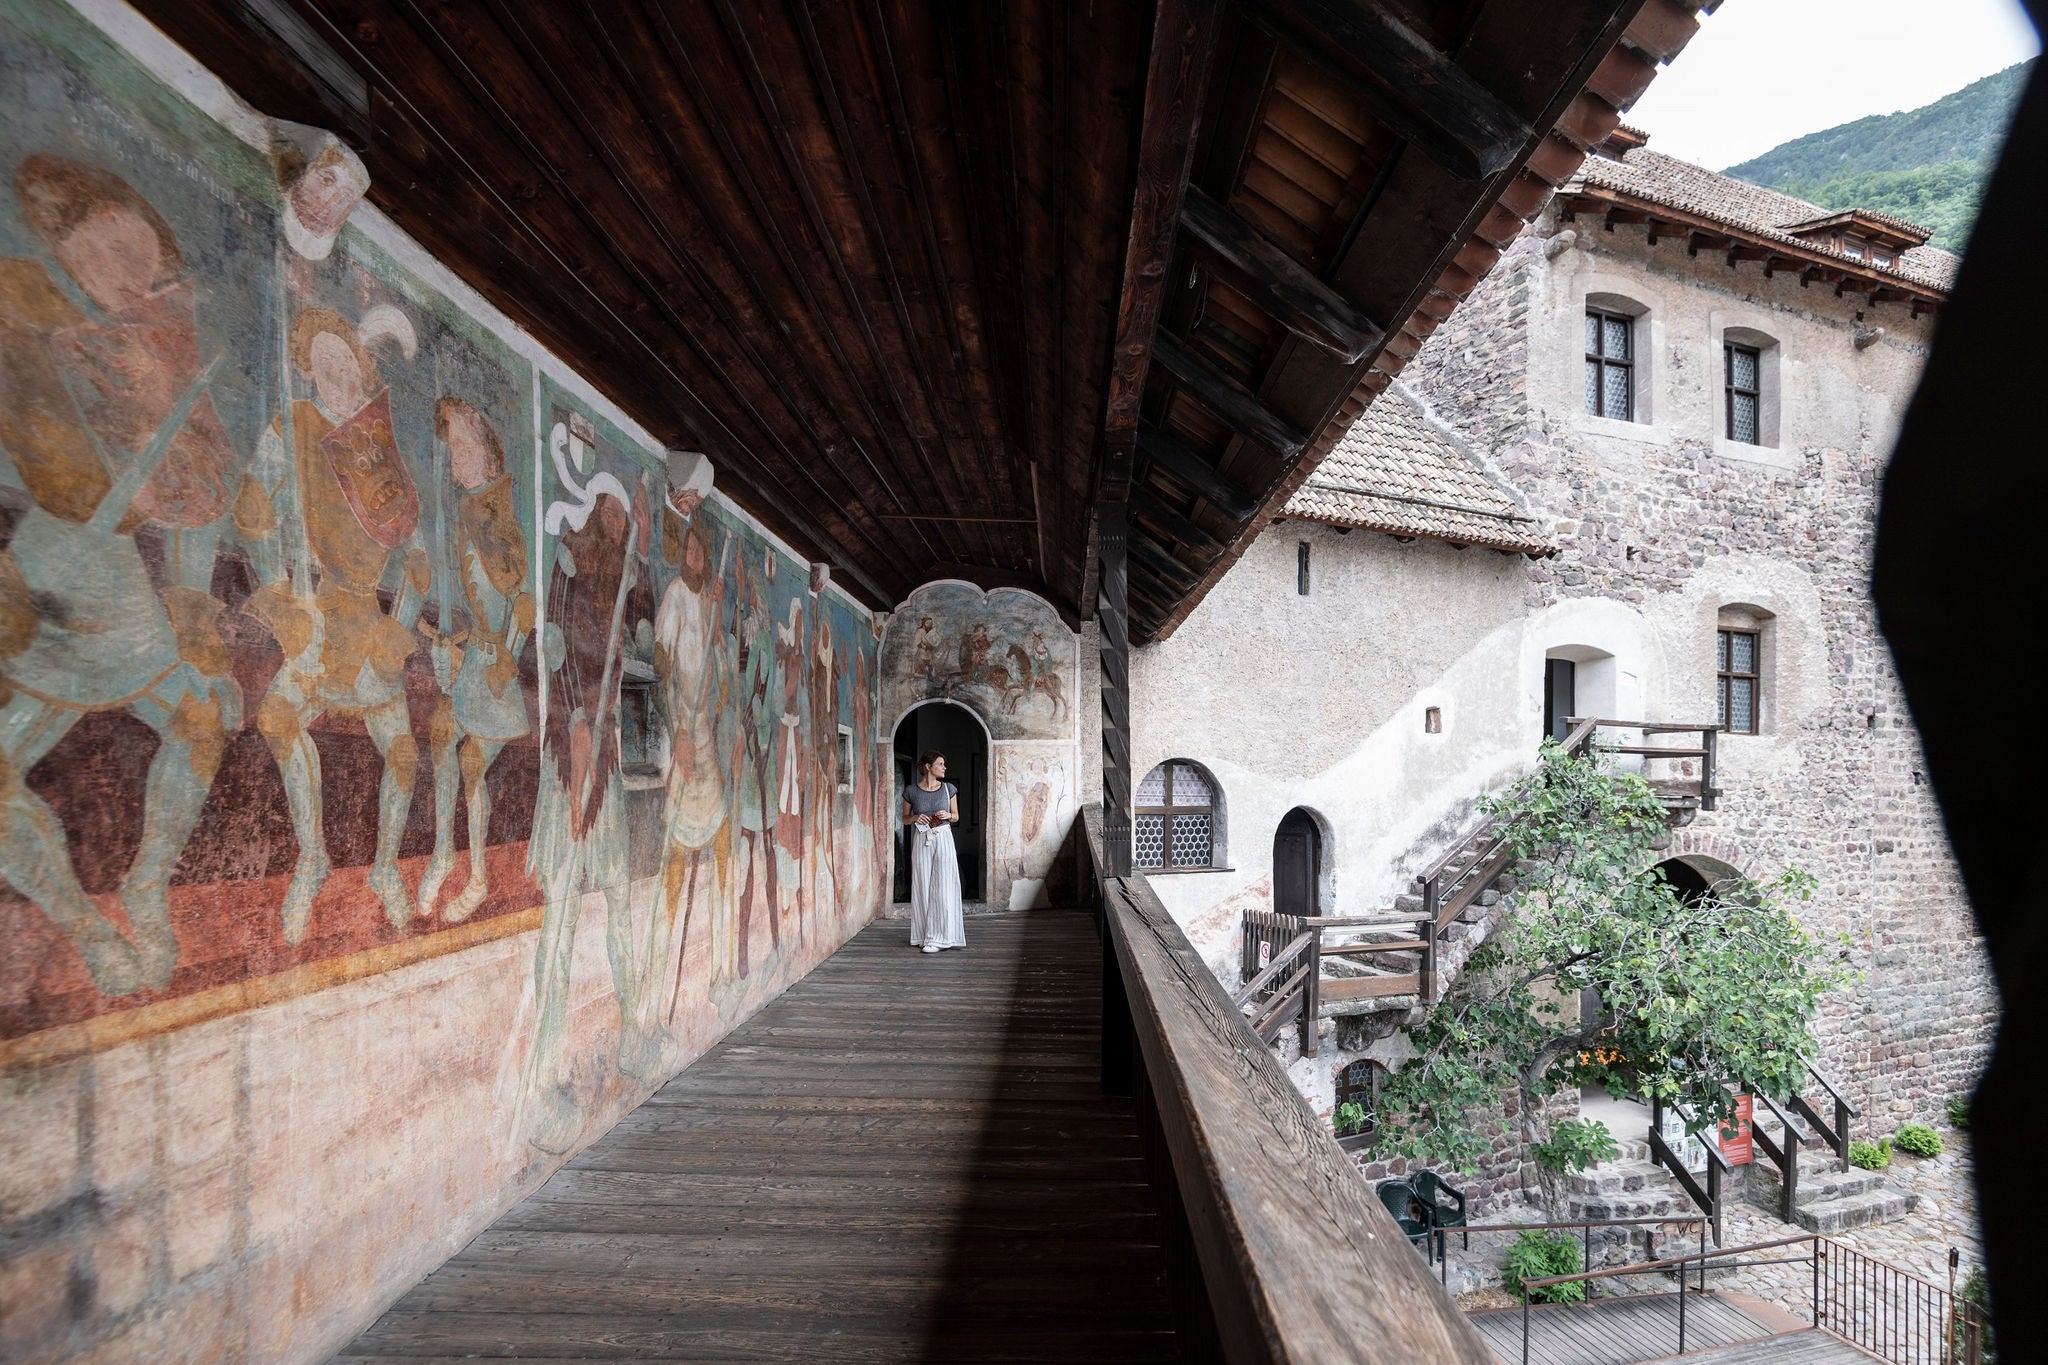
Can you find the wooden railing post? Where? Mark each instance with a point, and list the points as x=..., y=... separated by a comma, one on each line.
x=1113, y=620
x=1430, y=896
x=1311, y=997
x=1788, y=1197
x=1709, y=796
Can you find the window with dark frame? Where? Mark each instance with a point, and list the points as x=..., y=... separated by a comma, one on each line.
x=1744, y=370
x=1301, y=569
x=1735, y=666
x=1610, y=365
x=1173, y=821
x=1359, y=1082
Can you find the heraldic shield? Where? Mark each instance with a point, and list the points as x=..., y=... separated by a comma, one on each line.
x=372, y=473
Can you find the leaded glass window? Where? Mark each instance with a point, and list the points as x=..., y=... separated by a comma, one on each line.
x=1174, y=819
x=1610, y=365
x=1736, y=676
x=1744, y=371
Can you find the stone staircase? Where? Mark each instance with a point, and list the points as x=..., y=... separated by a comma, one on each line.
x=1630, y=1186
x=1832, y=1200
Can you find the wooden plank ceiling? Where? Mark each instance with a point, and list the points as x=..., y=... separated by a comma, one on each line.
x=926, y=277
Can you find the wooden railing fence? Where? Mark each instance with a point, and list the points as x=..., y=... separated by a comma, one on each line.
x=1276, y=1249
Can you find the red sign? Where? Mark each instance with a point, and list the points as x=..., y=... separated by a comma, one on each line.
x=1736, y=1144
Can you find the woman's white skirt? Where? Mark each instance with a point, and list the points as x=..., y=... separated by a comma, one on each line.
x=936, y=919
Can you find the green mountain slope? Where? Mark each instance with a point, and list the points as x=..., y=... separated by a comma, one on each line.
x=1926, y=165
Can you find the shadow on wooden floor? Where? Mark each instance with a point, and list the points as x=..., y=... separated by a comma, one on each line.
x=904, y=1158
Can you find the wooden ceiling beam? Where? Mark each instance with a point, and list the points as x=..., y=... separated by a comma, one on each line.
x=1420, y=91
x=1186, y=466
x=1148, y=506
x=1169, y=569
x=1275, y=281
x=1176, y=78
x=1230, y=402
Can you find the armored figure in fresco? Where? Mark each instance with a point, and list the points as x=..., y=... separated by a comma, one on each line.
x=108, y=422
x=690, y=665
x=755, y=793
x=483, y=707
x=789, y=767
x=579, y=844
x=330, y=515
x=822, y=881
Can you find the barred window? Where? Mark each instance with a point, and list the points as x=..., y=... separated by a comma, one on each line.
x=1744, y=369
x=1736, y=674
x=1174, y=818
x=1610, y=365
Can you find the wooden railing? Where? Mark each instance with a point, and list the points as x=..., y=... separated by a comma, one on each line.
x=1281, y=956
x=1708, y=1198
x=1275, y=1247
x=1584, y=734
x=1782, y=1153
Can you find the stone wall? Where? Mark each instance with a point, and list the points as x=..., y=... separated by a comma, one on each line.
x=399, y=778
x=1672, y=519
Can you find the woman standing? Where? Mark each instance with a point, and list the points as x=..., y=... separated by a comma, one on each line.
x=931, y=807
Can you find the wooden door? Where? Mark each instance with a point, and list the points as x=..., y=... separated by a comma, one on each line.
x=1560, y=696
x=1297, y=865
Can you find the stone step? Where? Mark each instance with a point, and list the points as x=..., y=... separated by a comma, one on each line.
x=1856, y=1211
x=1625, y=1174
x=1818, y=1183
x=1407, y=904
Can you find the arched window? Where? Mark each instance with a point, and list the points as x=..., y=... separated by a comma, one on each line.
x=1177, y=819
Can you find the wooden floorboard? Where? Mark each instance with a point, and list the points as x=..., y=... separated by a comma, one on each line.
x=1621, y=1331
x=904, y=1158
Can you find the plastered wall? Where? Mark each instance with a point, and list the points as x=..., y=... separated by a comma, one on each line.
x=405, y=765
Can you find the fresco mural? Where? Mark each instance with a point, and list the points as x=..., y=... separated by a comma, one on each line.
x=1033, y=793
x=352, y=663
x=1005, y=653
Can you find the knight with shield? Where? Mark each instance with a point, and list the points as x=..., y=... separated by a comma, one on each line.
x=330, y=515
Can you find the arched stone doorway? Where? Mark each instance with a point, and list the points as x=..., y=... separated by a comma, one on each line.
x=1298, y=856
x=957, y=733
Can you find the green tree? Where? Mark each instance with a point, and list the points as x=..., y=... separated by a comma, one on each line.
x=1698, y=993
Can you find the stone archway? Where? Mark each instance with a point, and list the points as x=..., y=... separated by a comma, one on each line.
x=957, y=732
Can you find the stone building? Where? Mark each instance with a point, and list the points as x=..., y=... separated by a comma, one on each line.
x=1634, y=477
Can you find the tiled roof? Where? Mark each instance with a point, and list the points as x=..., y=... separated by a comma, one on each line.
x=1661, y=179
x=1397, y=471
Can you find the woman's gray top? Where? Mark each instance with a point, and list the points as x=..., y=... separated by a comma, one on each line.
x=924, y=802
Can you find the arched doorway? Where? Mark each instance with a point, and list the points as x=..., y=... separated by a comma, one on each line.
x=955, y=732
x=1297, y=865
x=1691, y=884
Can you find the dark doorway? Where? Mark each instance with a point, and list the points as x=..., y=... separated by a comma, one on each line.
x=1297, y=865
x=1560, y=696
x=954, y=733
x=1688, y=881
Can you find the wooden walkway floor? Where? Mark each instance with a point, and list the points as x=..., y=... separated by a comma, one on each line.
x=904, y=1158
x=1624, y=1331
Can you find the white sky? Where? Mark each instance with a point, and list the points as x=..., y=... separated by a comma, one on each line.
x=1761, y=72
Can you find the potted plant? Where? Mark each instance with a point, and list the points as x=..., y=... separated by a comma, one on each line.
x=1354, y=1126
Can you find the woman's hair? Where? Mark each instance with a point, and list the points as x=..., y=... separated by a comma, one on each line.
x=926, y=759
